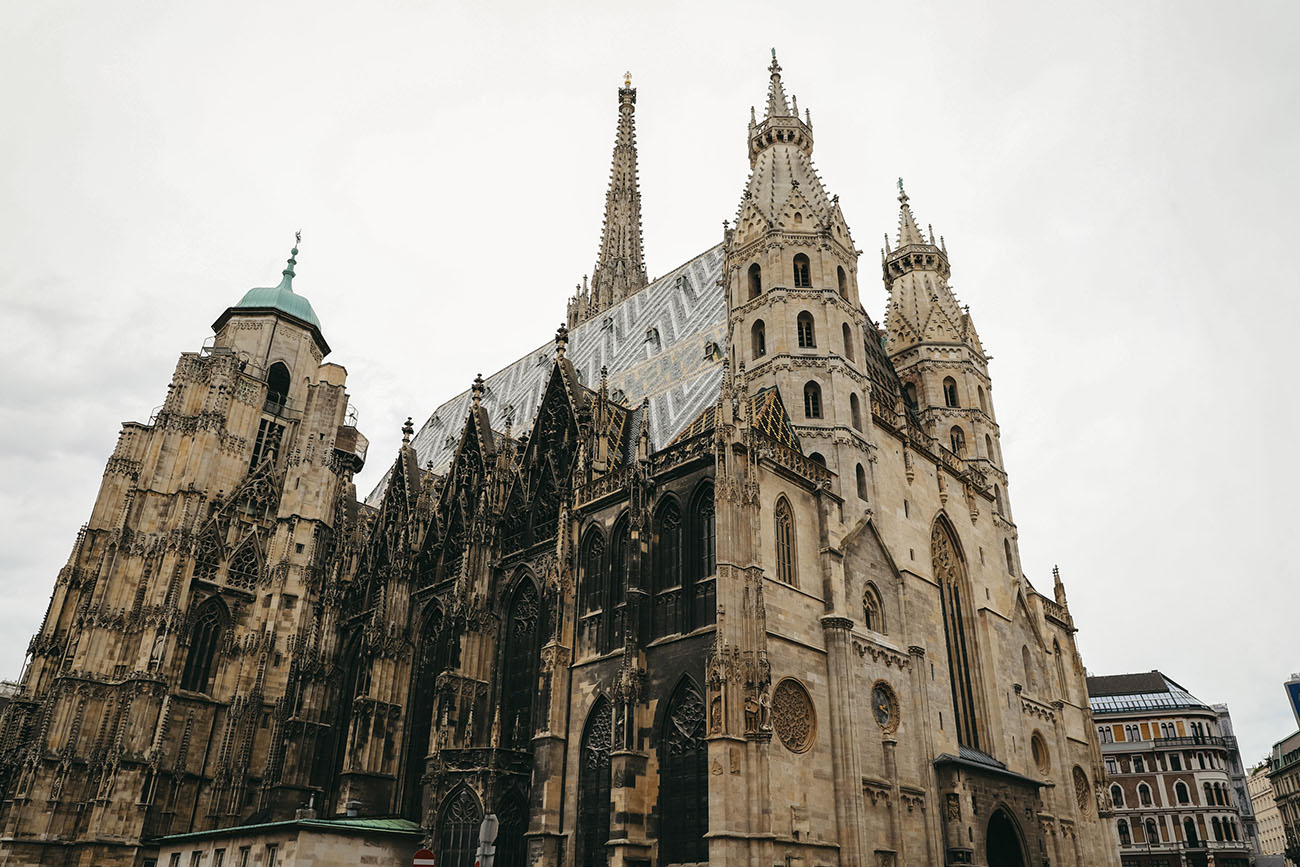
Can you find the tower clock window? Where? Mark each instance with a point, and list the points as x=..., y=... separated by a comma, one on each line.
x=807, y=336
x=755, y=281
x=758, y=338
x=802, y=272
x=812, y=400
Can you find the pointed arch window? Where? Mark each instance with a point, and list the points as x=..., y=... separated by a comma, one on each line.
x=855, y=411
x=958, y=439
x=755, y=281
x=519, y=675
x=1117, y=796
x=873, y=611
x=802, y=272
x=512, y=845
x=1189, y=830
x=862, y=482
x=979, y=392
x=843, y=279
x=812, y=400
x=1011, y=563
x=1027, y=663
x=210, y=620
x=591, y=588
x=950, y=573
x=1144, y=795
x=458, y=829
x=684, y=779
x=806, y=331
x=428, y=661
x=997, y=498
x=1124, y=838
x=1180, y=792
x=910, y=396
x=278, y=382
x=667, y=562
x=616, y=585
x=848, y=342
x=244, y=569
x=950, y=392
x=208, y=556
x=702, y=560
x=758, y=338
x=784, y=520
x=594, y=786
x=988, y=448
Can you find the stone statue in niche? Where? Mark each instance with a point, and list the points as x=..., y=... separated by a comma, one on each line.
x=751, y=713
x=765, y=708
x=715, y=715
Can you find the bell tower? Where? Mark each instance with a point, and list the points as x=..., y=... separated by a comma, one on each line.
x=794, y=317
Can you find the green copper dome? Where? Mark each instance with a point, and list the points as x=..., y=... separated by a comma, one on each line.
x=282, y=297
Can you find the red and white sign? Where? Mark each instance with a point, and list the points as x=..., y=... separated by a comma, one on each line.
x=424, y=858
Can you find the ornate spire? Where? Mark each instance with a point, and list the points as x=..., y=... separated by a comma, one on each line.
x=286, y=281
x=776, y=102
x=476, y=389
x=620, y=270
x=908, y=233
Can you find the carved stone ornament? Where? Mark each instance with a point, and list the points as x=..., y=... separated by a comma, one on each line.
x=1082, y=789
x=793, y=717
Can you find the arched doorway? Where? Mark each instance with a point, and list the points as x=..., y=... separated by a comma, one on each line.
x=1004, y=846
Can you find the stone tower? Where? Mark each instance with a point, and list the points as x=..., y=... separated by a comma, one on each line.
x=620, y=267
x=171, y=663
x=794, y=317
x=932, y=342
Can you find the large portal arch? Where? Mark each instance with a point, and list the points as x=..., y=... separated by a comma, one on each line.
x=1004, y=843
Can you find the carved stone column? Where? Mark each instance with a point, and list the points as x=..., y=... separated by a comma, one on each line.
x=845, y=763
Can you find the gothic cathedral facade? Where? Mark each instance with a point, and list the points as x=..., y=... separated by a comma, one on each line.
x=725, y=575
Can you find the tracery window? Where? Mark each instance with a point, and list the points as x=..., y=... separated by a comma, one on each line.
x=873, y=612
x=519, y=679
x=592, y=587
x=458, y=830
x=703, y=559
x=208, y=555
x=594, y=786
x=210, y=621
x=950, y=572
x=802, y=272
x=805, y=331
x=616, y=586
x=512, y=816
x=667, y=562
x=812, y=400
x=684, y=779
x=784, y=521
x=427, y=662
x=244, y=568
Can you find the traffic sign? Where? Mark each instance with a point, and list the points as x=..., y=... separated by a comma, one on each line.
x=424, y=858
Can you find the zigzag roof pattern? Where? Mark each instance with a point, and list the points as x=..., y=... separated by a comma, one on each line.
x=664, y=343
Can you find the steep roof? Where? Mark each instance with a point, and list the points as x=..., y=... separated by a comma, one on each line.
x=663, y=343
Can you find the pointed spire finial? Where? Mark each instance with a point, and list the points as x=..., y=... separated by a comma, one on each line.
x=408, y=430
x=902, y=194
x=777, y=106
x=627, y=79
x=477, y=389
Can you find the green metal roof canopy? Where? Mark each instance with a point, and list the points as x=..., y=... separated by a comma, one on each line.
x=281, y=299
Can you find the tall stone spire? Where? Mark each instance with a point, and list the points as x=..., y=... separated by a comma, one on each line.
x=620, y=269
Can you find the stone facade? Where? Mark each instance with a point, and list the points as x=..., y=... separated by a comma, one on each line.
x=1272, y=837
x=727, y=575
x=1284, y=774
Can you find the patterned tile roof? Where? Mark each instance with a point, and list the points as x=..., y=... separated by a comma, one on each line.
x=665, y=343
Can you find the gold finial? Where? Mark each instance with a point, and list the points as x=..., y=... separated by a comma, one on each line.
x=627, y=79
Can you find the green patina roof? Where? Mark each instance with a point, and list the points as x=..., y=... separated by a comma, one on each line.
x=282, y=297
x=385, y=825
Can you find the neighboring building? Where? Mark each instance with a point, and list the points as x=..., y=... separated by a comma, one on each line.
x=1237, y=779
x=1272, y=837
x=1284, y=774
x=302, y=842
x=1169, y=764
x=727, y=574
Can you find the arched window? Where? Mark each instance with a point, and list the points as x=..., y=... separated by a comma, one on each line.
x=979, y=391
x=428, y=661
x=667, y=561
x=855, y=411
x=1144, y=795
x=616, y=585
x=997, y=498
x=950, y=572
x=210, y=620
x=1209, y=796
x=684, y=779
x=988, y=449
x=1153, y=834
x=950, y=391
x=910, y=396
x=701, y=578
x=958, y=439
x=1139, y=766
x=843, y=279
x=755, y=281
x=817, y=458
x=1216, y=828
x=802, y=272
x=1042, y=758
x=1180, y=792
x=862, y=482
x=512, y=817
x=277, y=387
x=1189, y=832
x=804, y=325
x=208, y=555
x=784, y=520
x=591, y=587
x=1124, y=838
x=758, y=338
x=812, y=400
x=593, y=786
x=1011, y=563
x=244, y=568
x=848, y=342
x=519, y=678
x=1117, y=796
x=873, y=611
x=458, y=829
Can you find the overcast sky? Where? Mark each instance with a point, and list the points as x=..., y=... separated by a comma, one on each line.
x=1116, y=182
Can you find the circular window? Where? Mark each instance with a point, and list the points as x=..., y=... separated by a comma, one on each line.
x=793, y=717
x=1041, y=758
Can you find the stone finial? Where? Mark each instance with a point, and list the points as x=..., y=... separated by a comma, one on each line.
x=1059, y=585
x=476, y=389
x=408, y=430
x=561, y=340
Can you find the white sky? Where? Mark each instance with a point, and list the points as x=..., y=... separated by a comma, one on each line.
x=1116, y=182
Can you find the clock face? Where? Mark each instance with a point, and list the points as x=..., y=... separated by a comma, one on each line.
x=882, y=705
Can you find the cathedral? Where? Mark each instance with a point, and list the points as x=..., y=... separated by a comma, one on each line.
x=725, y=573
